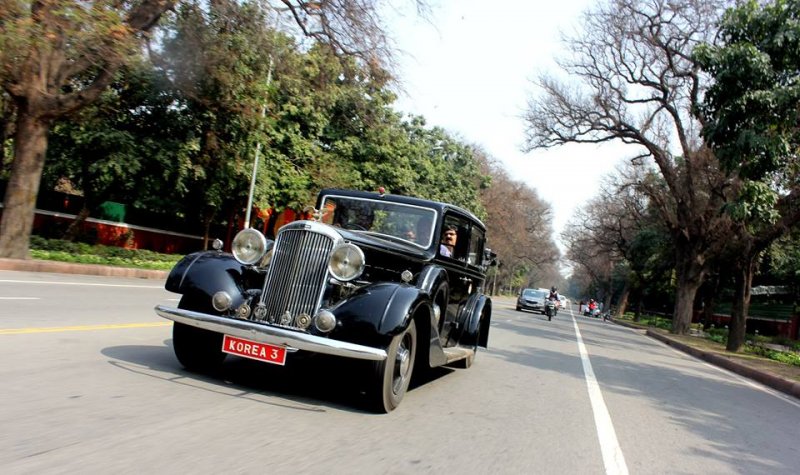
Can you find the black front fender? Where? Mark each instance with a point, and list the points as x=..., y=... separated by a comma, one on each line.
x=376, y=313
x=476, y=329
x=202, y=274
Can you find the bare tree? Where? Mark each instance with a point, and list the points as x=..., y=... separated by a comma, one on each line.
x=594, y=258
x=639, y=85
x=351, y=27
x=519, y=228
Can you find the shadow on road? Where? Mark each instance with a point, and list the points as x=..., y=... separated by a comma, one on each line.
x=307, y=383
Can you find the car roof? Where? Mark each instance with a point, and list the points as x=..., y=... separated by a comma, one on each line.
x=437, y=205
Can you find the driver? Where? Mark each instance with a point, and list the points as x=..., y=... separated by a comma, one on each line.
x=448, y=242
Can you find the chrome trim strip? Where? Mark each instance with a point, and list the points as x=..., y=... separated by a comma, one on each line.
x=262, y=333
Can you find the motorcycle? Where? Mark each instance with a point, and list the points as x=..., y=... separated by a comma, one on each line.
x=550, y=309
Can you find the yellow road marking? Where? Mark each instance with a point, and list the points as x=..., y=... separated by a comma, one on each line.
x=80, y=328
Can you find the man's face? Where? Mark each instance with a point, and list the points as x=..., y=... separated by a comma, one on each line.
x=449, y=238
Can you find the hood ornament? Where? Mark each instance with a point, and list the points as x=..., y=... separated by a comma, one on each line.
x=313, y=213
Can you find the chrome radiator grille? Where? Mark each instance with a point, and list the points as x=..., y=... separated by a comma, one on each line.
x=297, y=275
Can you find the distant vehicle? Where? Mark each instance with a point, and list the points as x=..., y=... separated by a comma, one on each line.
x=532, y=299
x=564, y=301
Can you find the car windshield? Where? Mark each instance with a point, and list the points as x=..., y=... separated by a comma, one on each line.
x=409, y=223
x=530, y=293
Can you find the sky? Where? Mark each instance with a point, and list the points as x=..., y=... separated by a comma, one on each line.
x=470, y=70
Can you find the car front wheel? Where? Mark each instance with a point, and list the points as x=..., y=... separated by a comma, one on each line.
x=197, y=349
x=391, y=377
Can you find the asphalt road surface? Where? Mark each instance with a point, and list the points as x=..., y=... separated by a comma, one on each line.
x=90, y=385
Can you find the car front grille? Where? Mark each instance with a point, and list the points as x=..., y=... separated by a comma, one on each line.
x=297, y=274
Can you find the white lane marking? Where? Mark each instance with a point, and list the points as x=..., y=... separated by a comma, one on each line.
x=613, y=459
x=90, y=284
x=19, y=298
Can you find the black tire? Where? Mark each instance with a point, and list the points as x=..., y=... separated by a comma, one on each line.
x=197, y=349
x=467, y=362
x=390, y=378
x=518, y=308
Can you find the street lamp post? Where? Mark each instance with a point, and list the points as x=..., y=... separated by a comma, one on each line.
x=255, y=159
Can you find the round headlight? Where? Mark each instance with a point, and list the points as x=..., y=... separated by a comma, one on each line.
x=221, y=301
x=249, y=246
x=325, y=321
x=347, y=262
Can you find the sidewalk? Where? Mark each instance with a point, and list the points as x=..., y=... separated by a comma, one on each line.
x=779, y=376
x=34, y=265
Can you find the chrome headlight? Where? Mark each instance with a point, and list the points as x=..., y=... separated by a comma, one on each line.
x=325, y=321
x=346, y=262
x=249, y=246
x=221, y=301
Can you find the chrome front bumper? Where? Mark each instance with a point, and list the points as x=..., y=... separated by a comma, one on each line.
x=265, y=333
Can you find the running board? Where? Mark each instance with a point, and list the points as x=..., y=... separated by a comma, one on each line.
x=457, y=353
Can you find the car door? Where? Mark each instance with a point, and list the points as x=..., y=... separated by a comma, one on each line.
x=464, y=274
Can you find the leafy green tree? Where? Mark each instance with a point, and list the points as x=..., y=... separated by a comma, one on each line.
x=750, y=115
x=784, y=257
x=215, y=55
x=58, y=56
x=129, y=146
x=332, y=125
x=55, y=58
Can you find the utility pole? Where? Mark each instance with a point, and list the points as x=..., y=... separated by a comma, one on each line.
x=255, y=160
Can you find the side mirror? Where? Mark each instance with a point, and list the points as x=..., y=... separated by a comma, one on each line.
x=489, y=258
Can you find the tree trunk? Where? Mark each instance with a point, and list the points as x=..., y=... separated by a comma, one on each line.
x=74, y=228
x=710, y=302
x=690, y=273
x=743, y=279
x=30, y=145
x=208, y=220
x=622, y=303
x=206, y=233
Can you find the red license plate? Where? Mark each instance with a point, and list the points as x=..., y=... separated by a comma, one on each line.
x=254, y=350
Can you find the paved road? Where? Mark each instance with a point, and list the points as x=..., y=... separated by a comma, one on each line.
x=90, y=385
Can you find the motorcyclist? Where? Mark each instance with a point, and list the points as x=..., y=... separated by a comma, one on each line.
x=554, y=296
x=592, y=306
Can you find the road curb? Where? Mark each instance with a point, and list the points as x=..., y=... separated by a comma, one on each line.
x=37, y=265
x=776, y=382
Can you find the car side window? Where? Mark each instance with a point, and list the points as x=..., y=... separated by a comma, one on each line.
x=452, y=238
x=475, y=249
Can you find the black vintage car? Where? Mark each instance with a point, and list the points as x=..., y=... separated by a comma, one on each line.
x=367, y=278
